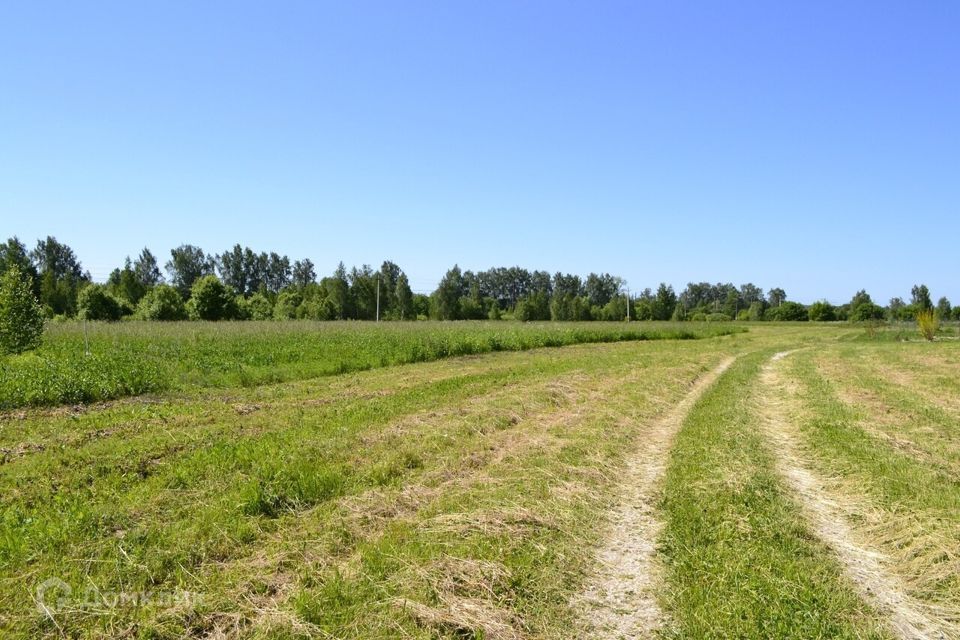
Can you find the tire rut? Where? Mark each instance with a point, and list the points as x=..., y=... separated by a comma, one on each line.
x=619, y=600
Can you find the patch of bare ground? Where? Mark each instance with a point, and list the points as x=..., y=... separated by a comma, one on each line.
x=619, y=601
x=832, y=514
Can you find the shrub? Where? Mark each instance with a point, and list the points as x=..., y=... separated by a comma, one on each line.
x=260, y=307
x=821, y=311
x=718, y=317
x=787, y=311
x=866, y=311
x=699, y=316
x=287, y=304
x=210, y=299
x=21, y=316
x=163, y=302
x=95, y=302
x=928, y=322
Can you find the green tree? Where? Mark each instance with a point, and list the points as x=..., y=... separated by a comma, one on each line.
x=404, y=298
x=187, y=265
x=944, y=308
x=445, y=303
x=21, y=316
x=920, y=297
x=147, y=270
x=303, y=273
x=61, y=275
x=95, y=302
x=210, y=299
x=787, y=311
x=14, y=253
x=866, y=311
x=664, y=302
x=162, y=302
x=533, y=307
x=260, y=307
x=821, y=311
x=288, y=303
x=776, y=296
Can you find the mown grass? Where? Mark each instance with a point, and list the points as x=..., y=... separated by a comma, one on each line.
x=444, y=499
x=740, y=560
x=902, y=474
x=78, y=364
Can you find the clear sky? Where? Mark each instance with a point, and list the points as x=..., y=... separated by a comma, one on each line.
x=811, y=145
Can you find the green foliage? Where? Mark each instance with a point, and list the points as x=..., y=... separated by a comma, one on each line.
x=95, y=302
x=718, y=317
x=445, y=301
x=163, y=302
x=569, y=308
x=755, y=311
x=866, y=312
x=21, y=316
x=260, y=307
x=788, y=311
x=920, y=297
x=822, y=311
x=679, y=313
x=944, y=308
x=210, y=299
x=288, y=304
x=532, y=308
x=664, y=302
x=494, y=313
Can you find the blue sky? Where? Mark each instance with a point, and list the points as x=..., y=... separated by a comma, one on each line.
x=809, y=145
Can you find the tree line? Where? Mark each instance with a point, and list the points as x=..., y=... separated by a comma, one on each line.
x=240, y=283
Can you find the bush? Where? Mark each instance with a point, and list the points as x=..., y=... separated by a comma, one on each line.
x=260, y=307
x=163, y=302
x=210, y=299
x=821, y=311
x=928, y=322
x=718, y=317
x=21, y=316
x=288, y=302
x=699, y=316
x=866, y=311
x=95, y=302
x=787, y=311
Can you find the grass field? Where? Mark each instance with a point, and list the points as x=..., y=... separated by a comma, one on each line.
x=804, y=484
x=100, y=361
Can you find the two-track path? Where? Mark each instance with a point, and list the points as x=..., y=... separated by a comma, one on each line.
x=619, y=601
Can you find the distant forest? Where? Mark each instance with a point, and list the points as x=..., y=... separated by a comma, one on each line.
x=241, y=284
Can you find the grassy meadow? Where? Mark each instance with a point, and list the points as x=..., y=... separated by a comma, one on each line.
x=456, y=481
x=98, y=361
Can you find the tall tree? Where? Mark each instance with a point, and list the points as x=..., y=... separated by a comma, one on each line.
x=187, y=265
x=776, y=296
x=60, y=275
x=920, y=297
x=404, y=298
x=147, y=270
x=664, y=302
x=303, y=273
x=446, y=299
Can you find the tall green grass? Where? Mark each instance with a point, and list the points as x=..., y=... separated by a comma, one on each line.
x=116, y=360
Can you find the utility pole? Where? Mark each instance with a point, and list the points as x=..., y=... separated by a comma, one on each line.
x=378, y=297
